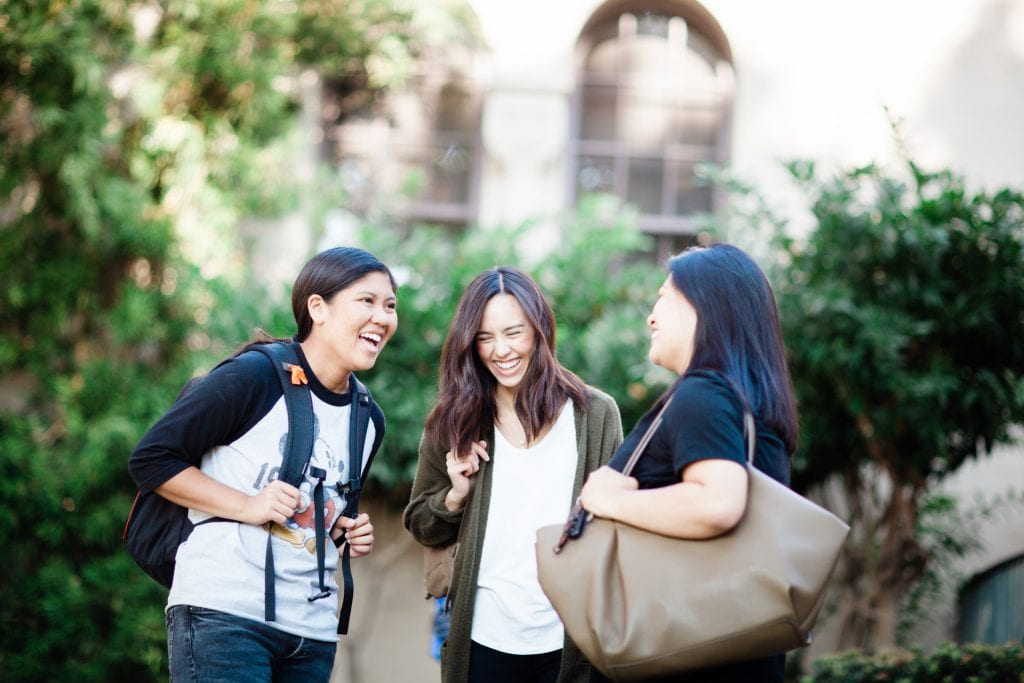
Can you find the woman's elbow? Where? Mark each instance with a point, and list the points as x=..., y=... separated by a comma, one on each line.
x=722, y=516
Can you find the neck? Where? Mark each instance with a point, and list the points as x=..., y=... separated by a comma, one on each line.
x=333, y=377
x=505, y=399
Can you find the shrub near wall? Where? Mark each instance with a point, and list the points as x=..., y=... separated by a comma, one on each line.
x=950, y=663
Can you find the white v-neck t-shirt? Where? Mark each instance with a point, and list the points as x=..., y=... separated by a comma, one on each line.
x=530, y=488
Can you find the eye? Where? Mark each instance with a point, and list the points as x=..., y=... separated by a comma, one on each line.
x=391, y=306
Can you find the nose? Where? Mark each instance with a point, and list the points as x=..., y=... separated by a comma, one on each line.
x=381, y=316
x=501, y=347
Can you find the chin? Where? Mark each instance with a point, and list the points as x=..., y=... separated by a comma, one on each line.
x=510, y=382
x=365, y=364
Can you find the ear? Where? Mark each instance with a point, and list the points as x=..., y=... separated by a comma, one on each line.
x=317, y=308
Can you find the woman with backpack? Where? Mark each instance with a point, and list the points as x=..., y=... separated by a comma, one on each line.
x=252, y=598
x=522, y=431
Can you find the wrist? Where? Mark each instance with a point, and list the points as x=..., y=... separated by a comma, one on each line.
x=241, y=510
x=454, y=502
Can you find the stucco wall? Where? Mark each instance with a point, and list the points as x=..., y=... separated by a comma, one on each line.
x=813, y=80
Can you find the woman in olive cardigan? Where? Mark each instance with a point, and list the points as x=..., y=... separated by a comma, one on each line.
x=503, y=407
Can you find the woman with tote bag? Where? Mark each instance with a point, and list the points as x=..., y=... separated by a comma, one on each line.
x=715, y=324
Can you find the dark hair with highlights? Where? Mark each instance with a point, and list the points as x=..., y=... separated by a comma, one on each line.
x=738, y=331
x=466, y=406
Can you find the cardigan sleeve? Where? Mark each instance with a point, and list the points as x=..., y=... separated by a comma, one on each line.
x=426, y=517
x=610, y=421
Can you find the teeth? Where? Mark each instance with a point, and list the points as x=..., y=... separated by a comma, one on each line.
x=375, y=338
x=507, y=365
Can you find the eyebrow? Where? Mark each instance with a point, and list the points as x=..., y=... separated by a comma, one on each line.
x=375, y=295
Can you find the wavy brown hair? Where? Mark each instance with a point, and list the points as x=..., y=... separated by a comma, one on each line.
x=466, y=406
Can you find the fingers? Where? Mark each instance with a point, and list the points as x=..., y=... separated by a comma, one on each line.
x=463, y=467
x=275, y=502
x=359, y=535
x=479, y=449
x=601, y=487
x=469, y=464
x=284, y=487
x=285, y=500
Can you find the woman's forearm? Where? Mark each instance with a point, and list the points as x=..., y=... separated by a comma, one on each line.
x=708, y=502
x=193, y=489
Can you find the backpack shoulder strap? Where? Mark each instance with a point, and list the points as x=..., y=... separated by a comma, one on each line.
x=297, y=450
x=299, y=441
x=363, y=410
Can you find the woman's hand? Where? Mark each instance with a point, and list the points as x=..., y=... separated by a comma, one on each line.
x=275, y=502
x=358, y=534
x=460, y=469
x=601, y=490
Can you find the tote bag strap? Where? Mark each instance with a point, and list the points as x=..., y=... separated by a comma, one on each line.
x=751, y=433
x=645, y=439
x=748, y=430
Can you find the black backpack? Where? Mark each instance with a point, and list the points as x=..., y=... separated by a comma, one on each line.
x=156, y=526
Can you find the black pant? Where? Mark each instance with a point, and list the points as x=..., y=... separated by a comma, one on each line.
x=766, y=670
x=491, y=666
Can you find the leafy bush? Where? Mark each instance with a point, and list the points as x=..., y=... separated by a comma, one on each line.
x=950, y=663
x=895, y=306
x=124, y=126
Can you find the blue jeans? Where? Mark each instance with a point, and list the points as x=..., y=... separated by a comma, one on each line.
x=207, y=646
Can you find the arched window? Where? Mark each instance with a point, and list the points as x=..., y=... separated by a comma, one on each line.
x=415, y=150
x=653, y=102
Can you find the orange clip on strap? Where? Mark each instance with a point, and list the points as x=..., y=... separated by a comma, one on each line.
x=298, y=376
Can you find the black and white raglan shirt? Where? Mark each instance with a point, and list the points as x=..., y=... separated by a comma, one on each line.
x=233, y=426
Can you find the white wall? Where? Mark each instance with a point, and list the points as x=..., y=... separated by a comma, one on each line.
x=813, y=81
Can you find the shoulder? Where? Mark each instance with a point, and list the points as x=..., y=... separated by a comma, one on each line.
x=599, y=403
x=247, y=374
x=704, y=393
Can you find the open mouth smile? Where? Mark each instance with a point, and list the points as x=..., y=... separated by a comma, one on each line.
x=508, y=366
x=372, y=339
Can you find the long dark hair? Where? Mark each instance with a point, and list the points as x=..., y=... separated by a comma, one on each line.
x=738, y=332
x=466, y=406
x=326, y=274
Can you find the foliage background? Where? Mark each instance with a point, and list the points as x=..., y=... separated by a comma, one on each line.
x=133, y=139
x=897, y=306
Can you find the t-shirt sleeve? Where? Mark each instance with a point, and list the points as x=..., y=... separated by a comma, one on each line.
x=705, y=420
x=220, y=408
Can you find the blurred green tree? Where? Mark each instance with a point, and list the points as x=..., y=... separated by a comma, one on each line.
x=900, y=310
x=123, y=126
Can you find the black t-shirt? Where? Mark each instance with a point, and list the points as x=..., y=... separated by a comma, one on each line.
x=705, y=420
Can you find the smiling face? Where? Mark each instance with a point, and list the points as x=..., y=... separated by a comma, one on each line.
x=505, y=341
x=673, y=325
x=352, y=327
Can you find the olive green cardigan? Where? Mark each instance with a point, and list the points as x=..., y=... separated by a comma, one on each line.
x=598, y=434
